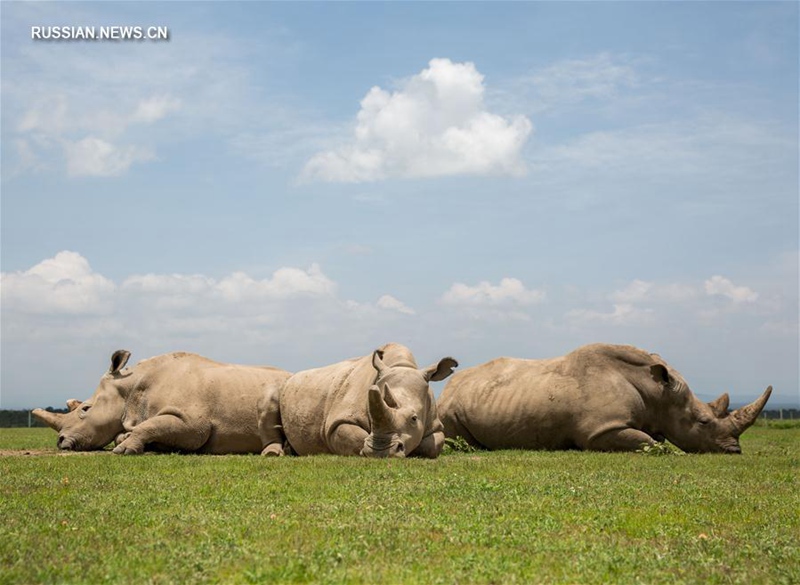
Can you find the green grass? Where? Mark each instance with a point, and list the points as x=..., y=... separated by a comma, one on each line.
x=502, y=517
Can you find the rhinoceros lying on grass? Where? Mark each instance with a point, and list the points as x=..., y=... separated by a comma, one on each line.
x=176, y=401
x=599, y=397
x=379, y=405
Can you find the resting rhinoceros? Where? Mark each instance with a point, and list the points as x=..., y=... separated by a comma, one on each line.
x=379, y=405
x=599, y=397
x=176, y=401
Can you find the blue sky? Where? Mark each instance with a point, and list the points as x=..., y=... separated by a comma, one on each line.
x=296, y=183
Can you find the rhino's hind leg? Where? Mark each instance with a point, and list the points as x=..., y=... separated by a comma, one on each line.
x=626, y=439
x=168, y=429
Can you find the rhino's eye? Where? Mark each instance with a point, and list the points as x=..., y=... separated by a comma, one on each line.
x=414, y=418
x=84, y=409
x=704, y=421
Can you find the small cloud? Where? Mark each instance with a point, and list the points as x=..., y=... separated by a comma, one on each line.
x=635, y=291
x=94, y=157
x=390, y=303
x=509, y=291
x=285, y=283
x=622, y=314
x=434, y=125
x=640, y=291
x=155, y=108
x=721, y=286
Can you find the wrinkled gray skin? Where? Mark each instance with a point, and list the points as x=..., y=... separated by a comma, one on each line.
x=174, y=402
x=379, y=405
x=599, y=398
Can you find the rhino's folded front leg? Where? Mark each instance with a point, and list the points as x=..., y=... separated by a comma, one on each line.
x=430, y=446
x=121, y=437
x=620, y=440
x=172, y=430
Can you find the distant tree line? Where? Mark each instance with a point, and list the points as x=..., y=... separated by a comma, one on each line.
x=24, y=418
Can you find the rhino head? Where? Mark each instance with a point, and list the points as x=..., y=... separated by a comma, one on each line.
x=92, y=424
x=400, y=406
x=699, y=427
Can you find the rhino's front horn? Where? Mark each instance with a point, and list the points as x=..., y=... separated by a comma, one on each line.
x=380, y=413
x=51, y=419
x=745, y=416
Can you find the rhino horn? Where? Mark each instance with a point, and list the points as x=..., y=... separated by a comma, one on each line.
x=51, y=419
x=745, y=416
x=380, y=413
x=73, y=403
x=720, y=405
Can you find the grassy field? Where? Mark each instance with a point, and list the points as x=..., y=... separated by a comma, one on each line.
x=501, y=517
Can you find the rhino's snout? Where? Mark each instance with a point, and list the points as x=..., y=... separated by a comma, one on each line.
x=375, y=449
x=734, y=450
x=65, y=443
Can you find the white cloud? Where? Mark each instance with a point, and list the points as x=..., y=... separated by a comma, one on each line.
x=642, y=291
x=63, y=284
x=635, y=291
x=434, y=125
x=286, y=283
x=622, y=314
x=154, y=108
x=721, y=286
x=390, y=303
x=509, y=291
x=67, y=284
x=94, y=157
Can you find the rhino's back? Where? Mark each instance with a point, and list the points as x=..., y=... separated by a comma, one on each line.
x=224, y=394
x=512, y=403
x=313, y=401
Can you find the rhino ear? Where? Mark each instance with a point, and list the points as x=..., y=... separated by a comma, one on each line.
x=118, y=360
x=441, y=370
x=377, y=362
x=720, y=405
x=660, y=374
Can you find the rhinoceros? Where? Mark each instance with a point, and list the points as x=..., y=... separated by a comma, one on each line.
x=599, y=397
x=175, y=402
x=378, y=405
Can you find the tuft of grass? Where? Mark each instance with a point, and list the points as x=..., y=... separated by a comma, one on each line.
x=457, y=445
x=659, y=449
x=490, y=517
